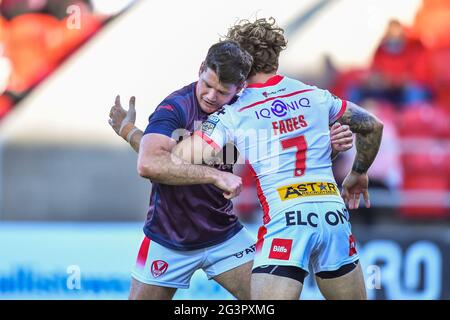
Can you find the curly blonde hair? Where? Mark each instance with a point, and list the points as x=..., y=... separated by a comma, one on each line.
x=263, y=39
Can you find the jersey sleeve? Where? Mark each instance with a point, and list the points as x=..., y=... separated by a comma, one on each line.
x=217, y=130
x=166, y=119
x=336, y=106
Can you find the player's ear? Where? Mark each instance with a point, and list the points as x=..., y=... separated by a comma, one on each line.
x=202, y=68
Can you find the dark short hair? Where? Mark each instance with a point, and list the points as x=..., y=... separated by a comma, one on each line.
x=229, y=61
x=263, y=39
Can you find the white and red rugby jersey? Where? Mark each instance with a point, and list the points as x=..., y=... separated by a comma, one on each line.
x=281, y=128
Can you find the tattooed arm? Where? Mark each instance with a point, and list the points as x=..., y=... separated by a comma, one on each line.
x=368, y=130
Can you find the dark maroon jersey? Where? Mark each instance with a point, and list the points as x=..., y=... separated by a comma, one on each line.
x=186, y=217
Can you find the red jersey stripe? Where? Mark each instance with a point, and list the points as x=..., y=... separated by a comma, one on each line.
x=208, y=140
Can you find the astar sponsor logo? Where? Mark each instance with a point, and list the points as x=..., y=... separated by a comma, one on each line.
x=307, y=189
x=159, y=267
x=280, y=249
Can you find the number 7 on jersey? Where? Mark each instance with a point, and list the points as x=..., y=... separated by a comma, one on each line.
x=298, y=142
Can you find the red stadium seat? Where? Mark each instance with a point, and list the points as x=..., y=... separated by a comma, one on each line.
x=31, y=39
x=3, y=26
x=424, y=156
x=436, y=186
x=423, y=121
x=440, y=69
x=36, y=44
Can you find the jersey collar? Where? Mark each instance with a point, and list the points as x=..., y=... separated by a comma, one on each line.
x=272, y=81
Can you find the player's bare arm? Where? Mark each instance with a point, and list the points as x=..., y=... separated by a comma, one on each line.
x=369, y=131
x=157, y=162
x=195, y=150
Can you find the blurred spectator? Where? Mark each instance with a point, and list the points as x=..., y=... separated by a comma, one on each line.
x=400, y=59
x=399, y=70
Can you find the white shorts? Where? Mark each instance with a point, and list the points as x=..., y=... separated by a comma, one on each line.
x=314, y=236
x=161, y=266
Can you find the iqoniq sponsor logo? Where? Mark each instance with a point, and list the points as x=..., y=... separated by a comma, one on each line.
x=280, y=108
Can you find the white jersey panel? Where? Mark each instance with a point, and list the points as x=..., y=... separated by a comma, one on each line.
x=282, y=130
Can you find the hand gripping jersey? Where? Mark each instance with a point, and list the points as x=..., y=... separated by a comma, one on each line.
x=281, y=127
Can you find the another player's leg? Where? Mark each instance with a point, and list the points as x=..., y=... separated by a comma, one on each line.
x=230, y=264
x=142, y=291
x=338, y=285
x=277, y=282
x=237, y=280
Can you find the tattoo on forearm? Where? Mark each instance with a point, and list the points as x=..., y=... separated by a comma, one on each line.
x=366, y=150
x=368, y=131
x=358, y=119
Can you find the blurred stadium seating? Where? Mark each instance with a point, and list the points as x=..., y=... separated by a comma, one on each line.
x=408, y=80
x=37, y=39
